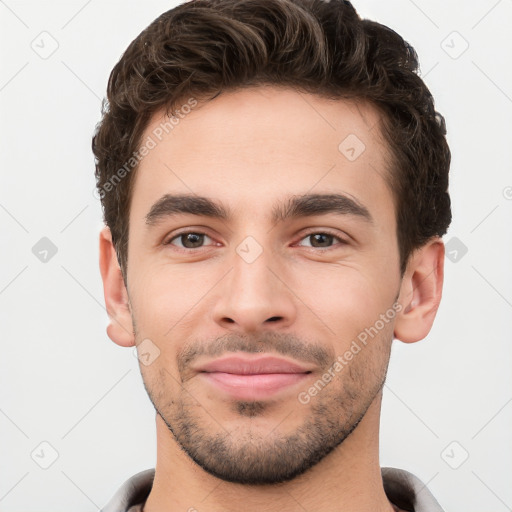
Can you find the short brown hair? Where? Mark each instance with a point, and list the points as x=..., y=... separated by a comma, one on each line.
x=203, y=47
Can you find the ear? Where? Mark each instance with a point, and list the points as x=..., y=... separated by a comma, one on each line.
x=420, y=292
x=120, y=327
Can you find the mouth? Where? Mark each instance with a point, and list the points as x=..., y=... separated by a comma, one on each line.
x=255, y=378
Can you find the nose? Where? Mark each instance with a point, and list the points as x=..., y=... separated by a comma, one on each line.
x=254, y=296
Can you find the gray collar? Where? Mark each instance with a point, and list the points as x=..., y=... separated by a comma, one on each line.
x=402, y=488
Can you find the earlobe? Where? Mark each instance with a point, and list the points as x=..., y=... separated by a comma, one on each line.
x=420, y=292
x=120, y=327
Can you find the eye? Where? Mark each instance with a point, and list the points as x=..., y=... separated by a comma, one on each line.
x=322, y=240
x=188, y=240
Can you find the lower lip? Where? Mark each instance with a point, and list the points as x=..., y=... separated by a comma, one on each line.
x=253, y=387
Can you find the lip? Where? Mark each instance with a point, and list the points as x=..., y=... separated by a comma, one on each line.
x=242, y=365
x=253, y=378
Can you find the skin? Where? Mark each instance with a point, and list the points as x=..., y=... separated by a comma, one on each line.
x=304, y=297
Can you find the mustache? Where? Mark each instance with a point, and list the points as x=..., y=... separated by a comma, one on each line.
x=285, y=344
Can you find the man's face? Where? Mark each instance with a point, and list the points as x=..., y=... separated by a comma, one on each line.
x=300, y=284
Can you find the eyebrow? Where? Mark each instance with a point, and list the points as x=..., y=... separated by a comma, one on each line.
x=306, y=205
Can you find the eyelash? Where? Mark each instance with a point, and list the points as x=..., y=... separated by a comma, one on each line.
x=341, y=241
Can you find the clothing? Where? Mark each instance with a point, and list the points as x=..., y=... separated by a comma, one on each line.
x=404, y=490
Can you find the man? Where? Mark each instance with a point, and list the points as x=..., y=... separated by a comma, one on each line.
x=274, y=182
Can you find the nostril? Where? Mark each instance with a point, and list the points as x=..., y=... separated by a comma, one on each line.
x=274, y=318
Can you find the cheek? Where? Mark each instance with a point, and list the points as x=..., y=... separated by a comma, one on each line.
x=349, y=299
x=165, y=296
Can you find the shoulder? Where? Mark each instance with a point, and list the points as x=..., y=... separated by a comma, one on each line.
x=407, y=491
x=132, y=492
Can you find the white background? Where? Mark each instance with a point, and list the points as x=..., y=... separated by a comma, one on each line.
x=65, y=383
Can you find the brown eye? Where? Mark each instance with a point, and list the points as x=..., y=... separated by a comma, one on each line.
x=321, y=240
x=190, y=240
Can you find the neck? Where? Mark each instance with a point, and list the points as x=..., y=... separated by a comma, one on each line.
x=348, y=479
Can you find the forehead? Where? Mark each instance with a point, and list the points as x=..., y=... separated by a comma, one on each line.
x=249, y=147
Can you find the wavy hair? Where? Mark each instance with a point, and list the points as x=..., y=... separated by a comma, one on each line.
x=203, y=47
